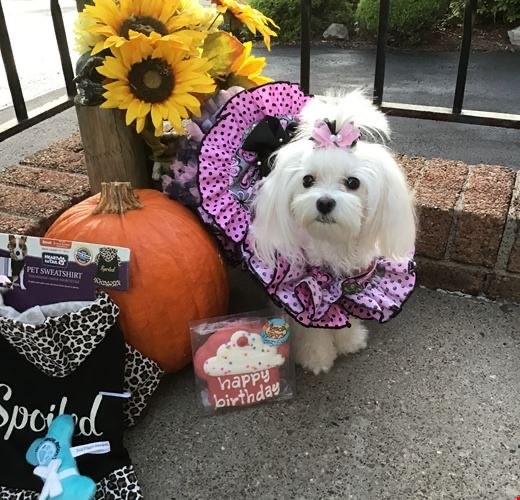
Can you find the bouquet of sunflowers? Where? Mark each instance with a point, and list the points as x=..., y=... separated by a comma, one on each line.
x=165, y=63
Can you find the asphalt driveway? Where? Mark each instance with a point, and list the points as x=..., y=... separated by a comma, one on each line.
x=412, y=77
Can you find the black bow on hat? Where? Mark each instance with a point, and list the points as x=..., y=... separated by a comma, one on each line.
x=267, y=136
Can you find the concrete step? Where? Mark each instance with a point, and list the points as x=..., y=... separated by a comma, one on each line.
x=429, y=410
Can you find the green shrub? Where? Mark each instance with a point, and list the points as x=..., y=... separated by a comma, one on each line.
x=488, y=11
x=286, y=14
x=409, y=19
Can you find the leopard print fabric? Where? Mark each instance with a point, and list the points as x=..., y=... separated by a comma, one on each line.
x=62, y=343
x=142, y=376
x=9, y=494
x=120, y=485
x=58, y=346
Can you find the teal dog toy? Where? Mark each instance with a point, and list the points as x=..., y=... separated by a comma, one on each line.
x=56, y=465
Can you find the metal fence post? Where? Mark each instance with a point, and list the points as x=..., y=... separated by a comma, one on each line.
x=305, y=50
x=470, y=11
x=10, y=69
x=379, y=79
x=63, y=47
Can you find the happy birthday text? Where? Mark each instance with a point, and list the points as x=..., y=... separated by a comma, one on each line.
x=254, y=388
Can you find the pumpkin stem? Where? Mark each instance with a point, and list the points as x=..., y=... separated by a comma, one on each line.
x=116, y=198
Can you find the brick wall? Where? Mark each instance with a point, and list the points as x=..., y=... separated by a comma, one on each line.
x=35, y=192
x=469, y=236
x=469, y=230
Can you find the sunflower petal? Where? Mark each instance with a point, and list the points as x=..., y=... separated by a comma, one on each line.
x=139, y=125
x=157, y=116
x=189, y=102
x=113, y=68
x=175, y=119
x=105, y=11
x=108, y=104
x=144, y=109
x=132, y=111
x=98, y=47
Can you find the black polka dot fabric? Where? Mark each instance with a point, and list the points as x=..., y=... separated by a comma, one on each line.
x=316, y=298
x=221, y=160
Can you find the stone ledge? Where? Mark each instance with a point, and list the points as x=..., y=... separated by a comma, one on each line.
x=513, y=263
x=35, y=192
x=21, y=225
x=469, y=229
x=44, y=180
x=468, y=279
x=482, y=220
x=66, y=156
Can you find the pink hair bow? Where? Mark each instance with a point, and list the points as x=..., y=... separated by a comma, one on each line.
x=325, y=136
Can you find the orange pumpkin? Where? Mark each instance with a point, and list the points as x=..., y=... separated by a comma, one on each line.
x=176, y=272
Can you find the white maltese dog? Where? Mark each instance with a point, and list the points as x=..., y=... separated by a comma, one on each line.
x=337, y=202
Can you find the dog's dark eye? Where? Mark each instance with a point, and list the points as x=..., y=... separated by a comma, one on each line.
x=308, y=181
x=352, y=183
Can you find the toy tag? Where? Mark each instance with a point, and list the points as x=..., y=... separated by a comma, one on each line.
x=99, y=448
x=45, y=271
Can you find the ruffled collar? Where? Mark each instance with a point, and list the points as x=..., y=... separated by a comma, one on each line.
x=315, y=297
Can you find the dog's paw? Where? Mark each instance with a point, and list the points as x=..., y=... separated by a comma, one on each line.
x=351, y=340
x=317, y=360
x=317, y=366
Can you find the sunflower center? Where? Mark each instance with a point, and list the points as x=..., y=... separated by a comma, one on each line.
x=142, y=24
x=151, y=80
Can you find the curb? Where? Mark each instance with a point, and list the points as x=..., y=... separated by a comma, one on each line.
x=469, y=215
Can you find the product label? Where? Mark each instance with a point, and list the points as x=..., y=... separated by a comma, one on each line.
x=275, y=331
x=44, y=271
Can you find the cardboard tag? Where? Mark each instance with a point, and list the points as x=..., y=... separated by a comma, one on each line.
x=45, y=271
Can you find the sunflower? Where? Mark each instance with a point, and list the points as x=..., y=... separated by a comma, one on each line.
x=150, y=78
x=84, y=41
x=200, y=18
x=252, y=18
x=247, y=69
x=115, y=22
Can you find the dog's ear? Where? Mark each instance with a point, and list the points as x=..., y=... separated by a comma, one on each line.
x=273, y=229
x=23, y=239
x=12, y=241
x=392, y=222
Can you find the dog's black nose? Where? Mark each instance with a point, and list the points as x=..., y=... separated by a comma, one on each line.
x=17, y=252
x=325, y=205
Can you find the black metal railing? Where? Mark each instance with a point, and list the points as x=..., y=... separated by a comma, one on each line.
x=25, y=119
x=454, y=114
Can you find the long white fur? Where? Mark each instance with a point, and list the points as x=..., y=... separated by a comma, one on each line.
x=376, y=220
